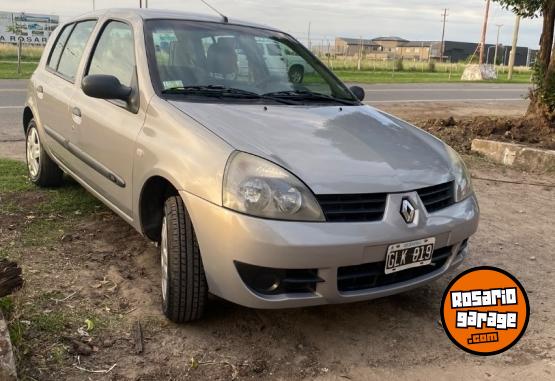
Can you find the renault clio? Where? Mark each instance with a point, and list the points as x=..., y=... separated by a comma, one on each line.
x=264, y=187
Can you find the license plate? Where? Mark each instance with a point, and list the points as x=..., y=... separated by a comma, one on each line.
x=408, y=255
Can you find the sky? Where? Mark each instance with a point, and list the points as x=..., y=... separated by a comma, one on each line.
x=410, y=19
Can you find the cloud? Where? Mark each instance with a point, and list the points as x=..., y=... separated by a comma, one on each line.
x=411, y=19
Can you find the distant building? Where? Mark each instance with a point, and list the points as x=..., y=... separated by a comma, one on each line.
x=389, y=48
x=354, y=46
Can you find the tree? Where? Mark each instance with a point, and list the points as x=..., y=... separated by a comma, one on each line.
x=543, y=96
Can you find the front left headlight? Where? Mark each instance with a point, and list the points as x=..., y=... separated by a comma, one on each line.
x=260, y=188
x=463, y=183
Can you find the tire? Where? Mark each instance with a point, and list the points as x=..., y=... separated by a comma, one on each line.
x=43, y=171
x=296, y=74
x=184, y=287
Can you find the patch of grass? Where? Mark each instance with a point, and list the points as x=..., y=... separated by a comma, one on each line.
x=416, y=77
x=70, y=200
x=58, y=354
x=41, y=232
x=52, y=322
x=4, y=253
x=17, y=331
x=13, y=177
x=6, y=306
x=8, y=70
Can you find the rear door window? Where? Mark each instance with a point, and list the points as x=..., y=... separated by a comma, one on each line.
x=73, y=49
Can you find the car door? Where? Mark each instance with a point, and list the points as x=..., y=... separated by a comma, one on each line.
x=274, y=59
x=107, y=129
x=54, y=87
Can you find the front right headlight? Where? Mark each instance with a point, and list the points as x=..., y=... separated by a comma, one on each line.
x=463, y=183
x=260, y=188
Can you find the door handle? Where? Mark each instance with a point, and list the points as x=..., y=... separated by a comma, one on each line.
x=76, y=111
x=40, y=89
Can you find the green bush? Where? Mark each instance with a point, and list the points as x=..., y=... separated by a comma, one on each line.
x=545, y=86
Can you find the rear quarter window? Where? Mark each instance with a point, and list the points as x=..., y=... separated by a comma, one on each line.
x=58, y=46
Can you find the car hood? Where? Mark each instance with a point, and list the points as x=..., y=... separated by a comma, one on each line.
x=334, y=150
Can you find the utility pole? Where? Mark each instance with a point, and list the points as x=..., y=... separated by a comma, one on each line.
x=140, y=3
x=94, y=5
x=146, y=3
x=484, y=33
x=513, y=50
x=360, y=52
x=443, y=34
x=499, y=26
x=309, y=43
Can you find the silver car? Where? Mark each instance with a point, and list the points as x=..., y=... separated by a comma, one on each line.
x=262, y=189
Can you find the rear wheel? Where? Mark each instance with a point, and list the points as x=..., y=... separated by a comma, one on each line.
x=184, y=288
x=43, y=171
x=296, y=74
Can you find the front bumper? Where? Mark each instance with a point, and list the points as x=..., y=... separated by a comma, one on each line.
x=226, y=237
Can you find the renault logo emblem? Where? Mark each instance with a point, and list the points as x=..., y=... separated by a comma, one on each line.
x=408, y=211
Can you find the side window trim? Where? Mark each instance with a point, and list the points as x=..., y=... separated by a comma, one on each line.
x=55, y=71
x=134, y=80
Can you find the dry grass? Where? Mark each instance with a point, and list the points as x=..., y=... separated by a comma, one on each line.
x=8, y=52
x=351, y=63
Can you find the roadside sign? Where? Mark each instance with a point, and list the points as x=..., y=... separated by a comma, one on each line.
x=33, y=28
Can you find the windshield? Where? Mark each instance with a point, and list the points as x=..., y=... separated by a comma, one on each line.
x=228, y=62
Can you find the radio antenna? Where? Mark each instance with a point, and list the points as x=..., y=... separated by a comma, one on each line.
x=226, y=20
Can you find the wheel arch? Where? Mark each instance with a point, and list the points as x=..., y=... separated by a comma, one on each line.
x=296, y=66
x=28, y=115
x=154, y=193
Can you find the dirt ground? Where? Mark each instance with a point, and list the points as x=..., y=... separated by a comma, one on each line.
x=459, y=133
x=414, y=111
x=91, y=281
x=97, y=269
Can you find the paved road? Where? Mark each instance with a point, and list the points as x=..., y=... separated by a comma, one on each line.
x=12, y=98
x=444, y=92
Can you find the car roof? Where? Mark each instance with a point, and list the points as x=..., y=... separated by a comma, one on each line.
x=137, y=14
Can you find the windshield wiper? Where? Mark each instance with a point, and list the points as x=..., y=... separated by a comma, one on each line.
x=309, y=95
x=222, y=91
x=207, y=89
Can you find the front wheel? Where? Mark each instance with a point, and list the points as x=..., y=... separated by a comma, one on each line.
x=43, y=171
x=184, y=287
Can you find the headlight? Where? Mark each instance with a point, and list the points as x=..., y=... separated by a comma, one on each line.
x=463, y=184
x=260, y=188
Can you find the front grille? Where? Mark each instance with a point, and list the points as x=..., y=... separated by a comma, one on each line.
x=372, y=275
x=371, y=207
x=438, y=197
x=353, y=207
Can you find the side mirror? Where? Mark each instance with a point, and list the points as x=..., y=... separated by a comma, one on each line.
x=358, y=92
x=105, y=87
